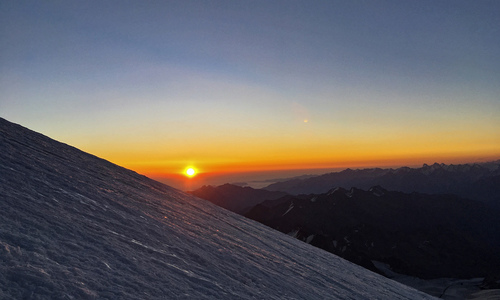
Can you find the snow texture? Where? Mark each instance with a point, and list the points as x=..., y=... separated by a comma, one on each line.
x=74, y=226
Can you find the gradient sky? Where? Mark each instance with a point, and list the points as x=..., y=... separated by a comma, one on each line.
x=256, y=85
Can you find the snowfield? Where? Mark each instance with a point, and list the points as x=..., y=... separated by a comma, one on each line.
x=74, y=226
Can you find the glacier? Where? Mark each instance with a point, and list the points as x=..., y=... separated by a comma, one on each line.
x=75, y=226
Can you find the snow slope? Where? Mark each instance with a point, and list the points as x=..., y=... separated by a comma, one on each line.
x=74, y=226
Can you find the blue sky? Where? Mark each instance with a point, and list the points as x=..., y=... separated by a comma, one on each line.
x=229, y=83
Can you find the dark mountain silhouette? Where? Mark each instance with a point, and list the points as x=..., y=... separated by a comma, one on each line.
x=74, y=226
x=427, y=236
x=235, y=198
x=473, y=181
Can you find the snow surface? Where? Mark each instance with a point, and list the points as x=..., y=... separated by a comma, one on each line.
x=289, y=209
x=74, y=226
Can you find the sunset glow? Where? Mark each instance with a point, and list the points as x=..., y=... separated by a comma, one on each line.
x=231, y=87
x=190, y=172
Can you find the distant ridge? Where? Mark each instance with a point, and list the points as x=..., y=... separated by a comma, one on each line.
x=479, y=181
x=235, y=198
x=74, y=226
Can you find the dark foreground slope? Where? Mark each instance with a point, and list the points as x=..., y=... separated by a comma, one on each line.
x=235, y=198
x=428, y=236
x=73, y=226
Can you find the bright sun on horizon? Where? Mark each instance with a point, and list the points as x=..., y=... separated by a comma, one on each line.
x=190, y=172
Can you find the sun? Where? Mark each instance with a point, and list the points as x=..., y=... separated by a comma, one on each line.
x=190, y=172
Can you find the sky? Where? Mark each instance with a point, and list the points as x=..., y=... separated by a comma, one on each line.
x=249, y=86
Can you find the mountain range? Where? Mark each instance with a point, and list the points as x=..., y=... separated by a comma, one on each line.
x=74, y=226
x=478, y=181
x=422, y=235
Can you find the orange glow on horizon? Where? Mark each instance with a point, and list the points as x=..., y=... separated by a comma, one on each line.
x=214, y=169
x=318, y=145
x=269, y=155
x=296, y=151
x=215, y=173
